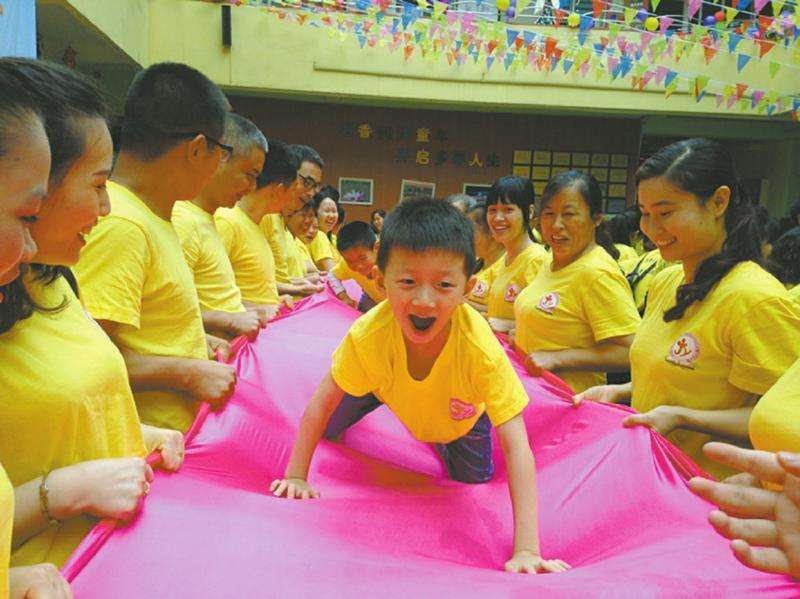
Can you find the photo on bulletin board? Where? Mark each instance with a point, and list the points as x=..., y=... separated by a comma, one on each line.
x=479, y=191
x=580, y=159
x=538, y=187
x=541, y=157
x=415, y=190
x=599, y=159
x=355, y=191
x=615, y=206
x=617, y=191
x=619, y=160
x=522, y=156
x=561, y=158
x=541, y=173
x=522, y=171
x=618, y=175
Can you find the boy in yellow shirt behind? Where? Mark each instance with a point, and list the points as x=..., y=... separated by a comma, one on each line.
x=434, y=361
x=356, y=243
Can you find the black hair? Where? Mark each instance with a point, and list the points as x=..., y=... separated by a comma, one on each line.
x=242, y=134
x=166, y=104
x=62, y=96
x=701, y=166
x=342, y=214
x=794, y=213
x=280, y=166
x=356, y=234
x=325, y=193
x=382, y=214
x=476, y=212
x=624, y=225
x=307, y=154
x=17, y=108
x=423, y=224
x=589, y=189
x=784, y=261
x=517, y=191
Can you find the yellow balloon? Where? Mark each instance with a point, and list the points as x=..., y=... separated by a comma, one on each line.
x=574, y=19
x=503, y=5
x=651, y=23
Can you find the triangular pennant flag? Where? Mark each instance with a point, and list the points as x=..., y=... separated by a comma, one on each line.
x=670, y=78
x=489, y=62
x=423, y=4
x=613, y=67
x=654, y=5
x=757, y=96
x=585, y=69
x=511, y=35
x=625, y=64
x=630, y=14
x=694, y=6
x=439, y=8
x=709, y=52
x=550, y=45
x=730, y=14
x=598, y=6
x=719, y=100
x=741, y=61
x=764, y=46
x=529, y=37
x=733, y=41
x=408, y=51
x=777, y=7
x=774, y=67
x=743, y=4
x=583, y=35
x=647, y=77
x=759, y=4
x=670, y=89
x=741, y=88
x=701, y=82
x=664, y=23
x=661, y=73
x=508, y=60
x=566, y=65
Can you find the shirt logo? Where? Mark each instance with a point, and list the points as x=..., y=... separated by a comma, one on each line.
x=460, y=410
x=549, y=302
x=512, y=292
x=480, y=289
x=684, y=351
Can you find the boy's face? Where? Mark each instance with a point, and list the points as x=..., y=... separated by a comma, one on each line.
x=423, y=289
x=360, y=259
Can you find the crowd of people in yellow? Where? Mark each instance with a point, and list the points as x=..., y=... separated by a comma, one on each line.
x=127, y=266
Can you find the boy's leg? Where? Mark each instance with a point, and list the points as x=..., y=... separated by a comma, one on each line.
x=469, y=458
x=349, y=411
x=366, y=303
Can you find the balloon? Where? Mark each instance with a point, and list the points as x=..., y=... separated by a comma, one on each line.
x=573, y=20
x=719, y=16
x=651, y=24
x=511, y=12
x=503, y=5
x=709, y=21
x=641, y=15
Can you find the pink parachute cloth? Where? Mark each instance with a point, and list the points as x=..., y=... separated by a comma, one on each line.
x=613, y=502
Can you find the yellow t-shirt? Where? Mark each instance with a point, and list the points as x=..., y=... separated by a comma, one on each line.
x=733, y=345
x=507, y=283
x=471, y=375
x=337, y=257
x=626, y=253
x=483, y=282
x=775, y=421
x=304, y=249
x=321, y=249
x=132, y=272
x=794, y=293
x=577, y=306
x=250, y=255
x=295, y=259
x=344, y=273
x=65, y=399
x=6, y=527
x=273, y=229
x=205, y=254
x=641, y=273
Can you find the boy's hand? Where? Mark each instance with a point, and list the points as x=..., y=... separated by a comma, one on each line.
x=663, y=419
x=527, y=562
x=293, y=488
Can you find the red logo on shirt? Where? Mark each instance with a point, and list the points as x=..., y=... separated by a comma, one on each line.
x=460, y=410
x=480, y=289
x=549, y=302
x=684, y=351
x=512, y=292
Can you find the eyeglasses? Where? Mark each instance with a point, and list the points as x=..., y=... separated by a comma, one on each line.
x=226, y=151
x=309, y=182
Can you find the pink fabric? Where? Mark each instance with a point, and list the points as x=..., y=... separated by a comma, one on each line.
x=613, y=503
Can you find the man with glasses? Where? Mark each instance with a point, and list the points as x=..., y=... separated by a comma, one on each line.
x=291, y=279
x=132, y=275
x=220, y=299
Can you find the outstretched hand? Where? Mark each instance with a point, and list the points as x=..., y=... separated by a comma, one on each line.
x=527, y=562
x=293, y=488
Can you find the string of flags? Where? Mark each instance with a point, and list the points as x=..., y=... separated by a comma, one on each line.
x=644, y=49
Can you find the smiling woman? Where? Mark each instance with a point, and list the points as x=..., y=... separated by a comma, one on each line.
x=719, y=330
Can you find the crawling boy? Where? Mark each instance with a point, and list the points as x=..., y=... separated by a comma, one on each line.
x=435, y=363
x=356, y=243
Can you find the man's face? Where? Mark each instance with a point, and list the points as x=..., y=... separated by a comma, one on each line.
x=237, y=177
x=310, y=180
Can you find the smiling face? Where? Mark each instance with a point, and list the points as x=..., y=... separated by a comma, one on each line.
x=377, y=222
x=506, y=222
x=327, y=215
x=423, y=289
x=24, y=170
x=360, y=259
x=76, y=202
x=567, y=225
x=682, y=226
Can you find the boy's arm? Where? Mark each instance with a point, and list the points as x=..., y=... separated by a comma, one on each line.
x=522, y=487
x=312, y=427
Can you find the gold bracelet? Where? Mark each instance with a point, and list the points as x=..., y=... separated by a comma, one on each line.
x=44, y=500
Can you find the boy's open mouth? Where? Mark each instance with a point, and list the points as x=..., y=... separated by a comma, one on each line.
x=421, y=324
